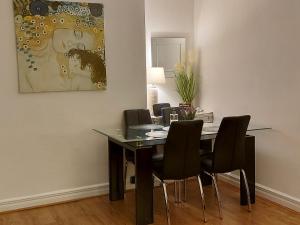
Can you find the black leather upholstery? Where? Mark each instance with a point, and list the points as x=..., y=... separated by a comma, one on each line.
x=137, y=117
x=157, y=108
x=166, y=114
x=181, y=152
x=228, y=154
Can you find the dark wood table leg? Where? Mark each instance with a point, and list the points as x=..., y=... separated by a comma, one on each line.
x=116, y=184
x=144, y=186
x=249, y=167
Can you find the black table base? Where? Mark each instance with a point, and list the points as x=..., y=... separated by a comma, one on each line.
x=116, y=174
x=143, y=187
x=143, y=180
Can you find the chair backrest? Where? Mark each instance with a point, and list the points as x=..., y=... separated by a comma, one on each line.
x=166, y=114
x=229, y=145
x=137, y=117
x=157, y=108
x=181, y=150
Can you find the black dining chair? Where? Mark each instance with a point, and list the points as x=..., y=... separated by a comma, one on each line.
x=166, y=114
x=135, y=117
x=181, y=158
x=157, y=108
x=228, y=152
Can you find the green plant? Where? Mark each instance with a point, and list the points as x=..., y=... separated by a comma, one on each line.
x=186, y=84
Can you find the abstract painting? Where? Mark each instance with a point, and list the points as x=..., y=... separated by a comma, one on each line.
x=60, y=46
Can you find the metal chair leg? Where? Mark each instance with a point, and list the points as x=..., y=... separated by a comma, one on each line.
x=213, y=185
x=247, y=189
x=184, y=190
x=202, y=198
x=166, y=202
x=216, y=176
x=177, y=190
x=218, y=195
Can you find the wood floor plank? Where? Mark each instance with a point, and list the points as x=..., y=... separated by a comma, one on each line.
x=100, y=211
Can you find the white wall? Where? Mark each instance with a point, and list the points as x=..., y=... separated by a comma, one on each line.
x=250, y=64
x=169, y=18
x=46, y=141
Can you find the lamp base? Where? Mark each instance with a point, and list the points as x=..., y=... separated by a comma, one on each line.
x=152, y=97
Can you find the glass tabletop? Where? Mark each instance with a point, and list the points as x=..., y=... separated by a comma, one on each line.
x=151, y=134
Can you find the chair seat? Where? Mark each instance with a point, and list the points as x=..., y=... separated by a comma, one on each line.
x=157, y=166
x=207, y=164
x=157, y=157
x=157, y=162
x=204, y=153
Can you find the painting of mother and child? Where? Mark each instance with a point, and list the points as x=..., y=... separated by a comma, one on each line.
x=60, y=46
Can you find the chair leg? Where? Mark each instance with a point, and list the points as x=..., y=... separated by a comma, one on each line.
x=213, y=184
x=202, y=198
x=177, y=191
x=184, y=190
x=166, y=202
x=247, y=189
x=216, y=176
x=218, y=195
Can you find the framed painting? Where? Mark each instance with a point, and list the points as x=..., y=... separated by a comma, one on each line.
x=60, y=46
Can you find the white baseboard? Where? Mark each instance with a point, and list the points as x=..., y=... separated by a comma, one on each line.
x=102, y=189
x=266, y=192
x=53, y=197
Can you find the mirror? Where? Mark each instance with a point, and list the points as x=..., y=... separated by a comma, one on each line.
x=167, y=52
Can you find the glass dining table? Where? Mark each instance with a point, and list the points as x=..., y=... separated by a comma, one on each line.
x=142, y=140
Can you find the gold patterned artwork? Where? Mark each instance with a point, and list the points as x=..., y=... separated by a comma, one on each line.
x=60, y=46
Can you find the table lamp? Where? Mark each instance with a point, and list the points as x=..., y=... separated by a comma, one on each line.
x=155, y=75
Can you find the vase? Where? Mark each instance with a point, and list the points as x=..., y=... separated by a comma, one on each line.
x=188, y=111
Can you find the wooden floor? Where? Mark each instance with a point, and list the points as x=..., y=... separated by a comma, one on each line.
x=100, y=211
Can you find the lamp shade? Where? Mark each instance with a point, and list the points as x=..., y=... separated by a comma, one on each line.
x=156, y=75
